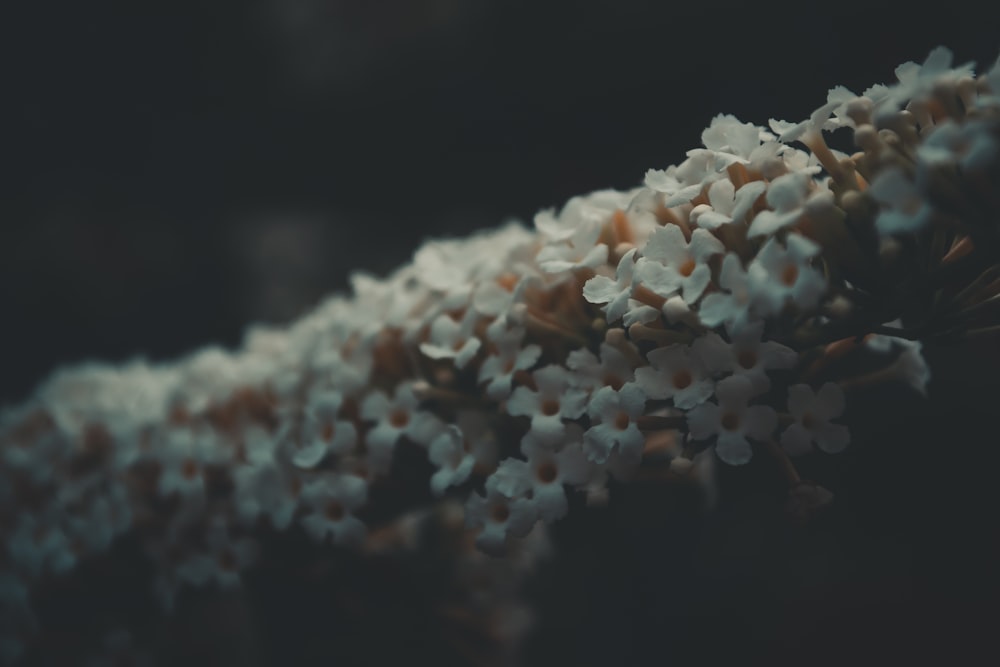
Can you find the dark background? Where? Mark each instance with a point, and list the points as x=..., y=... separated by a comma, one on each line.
x=177, y=170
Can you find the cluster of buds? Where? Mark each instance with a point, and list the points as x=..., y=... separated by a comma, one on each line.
x=724, y=309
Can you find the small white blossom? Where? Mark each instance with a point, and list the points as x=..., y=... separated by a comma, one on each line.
x=322, y=430
x=544, y=474
x=905, y=208
x=613, y=369
x=453, y=340
x=727, y=204
x=678, y=373
x=184, y=456
x=787, y=196
x=394, y=419
x=779, y=274
x=333, y=499
x=735, y=308
x=812, y=413
x=448, y=453
x=613, y=292
x=511, y=355
x=553, y=402
x=732, y=420
x=748, y=355
x=615, y=414
x=671, y=263
x=498, y=516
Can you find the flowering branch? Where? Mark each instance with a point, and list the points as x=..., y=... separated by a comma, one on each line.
x=723, y=306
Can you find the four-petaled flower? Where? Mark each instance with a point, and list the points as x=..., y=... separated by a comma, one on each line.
x=732, y=420
x=812, y=413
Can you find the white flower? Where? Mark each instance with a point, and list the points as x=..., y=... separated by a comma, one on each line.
x=726, y=203
x=970, y=145
x=544, y=473
x=905, y=208
x=453, y=340
x=917, y=82
x=779, y=274
x=553, y=402
x=556, y=258
x=615, y=414
x=479, y=437
x=265, y=489
x=455, y=464
x=394, y=419
x=748, y=355
x=735, y=308
x=677, y=373
x=731, y=140
x=184, y=456
x=667, y=183
x=789, y=132
x=787, y=197
x=228, y=556
x=613, y=369
x=37, y=544
x=322, y=432
x=498, y=369
x=333, y=498
x=670, y=262
x=613, y=292
x=812, y=413
x=732, y=420
x=498, y=516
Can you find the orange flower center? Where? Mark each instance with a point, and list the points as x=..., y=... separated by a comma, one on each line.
x=790, y=275
x=335, y=511
x=547, y=472
x=189, y=469
x=747, y=358
x=500, y=512
x=550, y=407
x=399, y=418
x=730, y=421
x=682, y=379
x=327, y=431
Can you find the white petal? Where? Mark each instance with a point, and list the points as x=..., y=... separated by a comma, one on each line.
x=703, y=420
x=522, y=403
x=733, y=448
x=832, y=438
x=600, y=289
x=697, y=282
x=551, y=502
x=694, y=394
x=800, y=399
x=310, y=455
x=598, y=442
x=657, y=384
x=548, y=429
x=829, y=401
x=632, y=399
x=704, y=244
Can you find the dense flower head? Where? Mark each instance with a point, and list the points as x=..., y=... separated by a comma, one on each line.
x=709, y=306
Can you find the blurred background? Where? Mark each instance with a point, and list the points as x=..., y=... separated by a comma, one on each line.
x=178, y=170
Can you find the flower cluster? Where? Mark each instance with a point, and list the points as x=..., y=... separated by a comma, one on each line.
x=720, y=309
